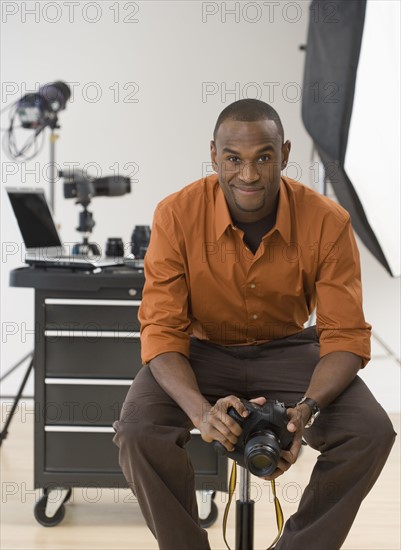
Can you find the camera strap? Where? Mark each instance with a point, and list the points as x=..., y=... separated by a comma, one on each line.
x=277, y=506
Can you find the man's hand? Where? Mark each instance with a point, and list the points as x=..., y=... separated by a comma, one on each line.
x=216, y=425
x=297, y=418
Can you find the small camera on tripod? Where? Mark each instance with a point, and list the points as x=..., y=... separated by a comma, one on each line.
x=83, y=188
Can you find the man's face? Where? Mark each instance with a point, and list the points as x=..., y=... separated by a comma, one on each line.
x=248, y=158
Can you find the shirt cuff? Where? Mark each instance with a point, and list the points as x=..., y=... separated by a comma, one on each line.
x=158, y=340
x=356, y=341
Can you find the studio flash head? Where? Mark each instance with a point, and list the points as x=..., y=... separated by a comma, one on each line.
x=38, y=110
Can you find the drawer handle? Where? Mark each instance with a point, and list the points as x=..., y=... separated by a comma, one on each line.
x=98, y=429
x=84, y=302
x=91, y=334
x=89, y=429
x=90, y=381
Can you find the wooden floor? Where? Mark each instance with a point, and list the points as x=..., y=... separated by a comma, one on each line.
x=104, y=519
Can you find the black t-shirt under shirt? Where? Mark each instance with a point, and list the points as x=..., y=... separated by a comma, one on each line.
x=254, y=231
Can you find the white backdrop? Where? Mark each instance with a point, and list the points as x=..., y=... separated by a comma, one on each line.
x=149, y=80
x=373, y=152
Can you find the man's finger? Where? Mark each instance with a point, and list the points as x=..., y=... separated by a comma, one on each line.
x=259, y=400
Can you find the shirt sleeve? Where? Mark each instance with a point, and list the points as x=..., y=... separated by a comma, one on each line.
x=340, y=321
x=163, y=313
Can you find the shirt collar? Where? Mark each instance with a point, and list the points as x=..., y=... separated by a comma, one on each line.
x=283, y=219
x=223, y=216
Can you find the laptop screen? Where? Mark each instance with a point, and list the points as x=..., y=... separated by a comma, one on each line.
x=34, y=218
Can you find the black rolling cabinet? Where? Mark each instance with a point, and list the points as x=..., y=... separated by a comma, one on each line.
x=87, y=352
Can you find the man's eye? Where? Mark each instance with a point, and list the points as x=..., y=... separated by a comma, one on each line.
x=234, y=159
x=264, y=158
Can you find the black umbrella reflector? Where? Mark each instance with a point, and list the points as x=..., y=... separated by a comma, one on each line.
x=351, y=60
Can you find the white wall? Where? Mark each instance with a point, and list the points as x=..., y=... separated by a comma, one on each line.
x=147, y=92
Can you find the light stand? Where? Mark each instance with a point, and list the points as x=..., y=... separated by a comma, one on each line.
x=53, y=173
x=4, y=432
x=53, y=176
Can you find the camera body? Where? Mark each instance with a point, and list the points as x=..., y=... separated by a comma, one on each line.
x=264, y=435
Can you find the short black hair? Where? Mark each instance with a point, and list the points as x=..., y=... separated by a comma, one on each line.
x=249, y=110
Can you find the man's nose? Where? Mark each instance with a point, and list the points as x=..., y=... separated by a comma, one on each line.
x=249, y=172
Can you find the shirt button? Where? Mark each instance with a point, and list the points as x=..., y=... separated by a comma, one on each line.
x=254, y=316
x=252, y=285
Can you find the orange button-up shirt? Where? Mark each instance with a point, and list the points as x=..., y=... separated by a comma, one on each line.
x=202, y=280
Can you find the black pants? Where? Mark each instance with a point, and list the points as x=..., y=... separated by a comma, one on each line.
x=353, y=435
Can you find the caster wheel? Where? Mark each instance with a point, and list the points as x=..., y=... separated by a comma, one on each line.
x=211, y=518
x=68, y=495
x=40, y=513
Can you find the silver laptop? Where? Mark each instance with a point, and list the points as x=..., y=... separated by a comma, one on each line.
x=38, y=230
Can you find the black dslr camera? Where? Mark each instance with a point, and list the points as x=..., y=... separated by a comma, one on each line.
x=264, y=435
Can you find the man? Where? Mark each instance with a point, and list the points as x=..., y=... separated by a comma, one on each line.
x=236, y=264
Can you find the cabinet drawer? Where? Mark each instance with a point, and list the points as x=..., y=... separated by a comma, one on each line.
x=92, y=356
x=204, y=458
x=91, y=453
x=83, y=402
x=92, y=315
x=210, y=467
x=81, y=452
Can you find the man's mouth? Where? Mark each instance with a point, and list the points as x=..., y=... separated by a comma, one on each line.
x=248, y=190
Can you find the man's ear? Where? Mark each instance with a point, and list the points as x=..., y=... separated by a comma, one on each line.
x=213, y=154
x=285, y=153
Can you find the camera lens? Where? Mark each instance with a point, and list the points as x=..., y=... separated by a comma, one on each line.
x=114, y=247
x=259, y=460
x=262, y=453
x=140, y=241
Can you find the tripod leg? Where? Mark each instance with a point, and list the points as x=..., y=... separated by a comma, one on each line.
x=4, y=433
